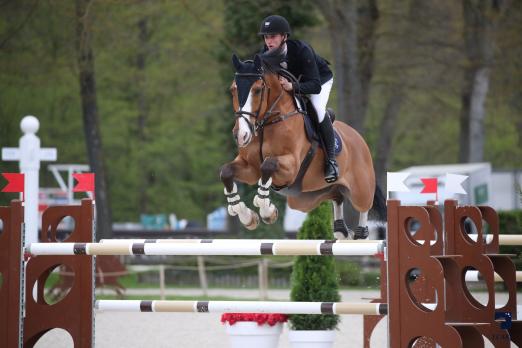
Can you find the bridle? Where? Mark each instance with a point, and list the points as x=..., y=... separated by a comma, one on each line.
x=259, y=124
x=242, y=113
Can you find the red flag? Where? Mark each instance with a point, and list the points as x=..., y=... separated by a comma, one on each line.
x=85, y=182
x=15, y=182
x=430, y=185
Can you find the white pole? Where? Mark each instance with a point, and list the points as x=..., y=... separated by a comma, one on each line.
x=29, y=154
x=30, y=165
x=242, y=307
x=287, y=248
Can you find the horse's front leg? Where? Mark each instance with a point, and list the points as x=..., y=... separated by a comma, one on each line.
x=267, y=209
x=239, y=169
x=272, y=166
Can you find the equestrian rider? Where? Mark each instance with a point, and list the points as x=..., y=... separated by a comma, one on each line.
x=315, y=79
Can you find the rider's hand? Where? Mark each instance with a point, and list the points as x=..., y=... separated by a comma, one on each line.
x=287, y=85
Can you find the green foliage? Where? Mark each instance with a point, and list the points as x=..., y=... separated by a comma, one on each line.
x=162, y=123
x=349, y=273
x=171, y=162
x=510, y=222
x=371, y=279
x=314, y=278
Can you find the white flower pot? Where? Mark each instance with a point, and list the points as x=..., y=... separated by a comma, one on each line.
x=248, y=334
x=311, y=338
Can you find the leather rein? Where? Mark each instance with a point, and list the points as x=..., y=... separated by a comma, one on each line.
x=259, y=125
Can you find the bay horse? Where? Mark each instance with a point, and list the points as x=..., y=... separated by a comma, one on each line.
x=270, y=134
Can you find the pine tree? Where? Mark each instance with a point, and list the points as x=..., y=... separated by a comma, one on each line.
x=314, y=278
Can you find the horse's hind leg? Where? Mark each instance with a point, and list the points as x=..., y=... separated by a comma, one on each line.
x=247, y=216
x=267, y=209
x=361, y=231
x=341, y=231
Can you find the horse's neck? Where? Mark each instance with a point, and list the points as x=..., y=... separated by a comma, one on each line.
x=286, y=103
x=287, y=135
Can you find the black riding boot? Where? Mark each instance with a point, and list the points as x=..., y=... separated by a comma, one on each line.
x=331, y=170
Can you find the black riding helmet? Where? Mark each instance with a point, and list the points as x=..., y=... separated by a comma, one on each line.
x=274, y=24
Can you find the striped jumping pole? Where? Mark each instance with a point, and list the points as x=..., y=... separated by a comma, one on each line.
x=504, y=239
x=242, y=307
x=241, y=241
x=288, y=248
x=475, y=276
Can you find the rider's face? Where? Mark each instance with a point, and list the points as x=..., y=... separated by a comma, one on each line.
x=273, y=41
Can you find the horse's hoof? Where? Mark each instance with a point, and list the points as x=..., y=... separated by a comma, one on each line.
x=272, y=218
x=361, y=232
x=339, y=236
x=254, y=222
x=341, y=231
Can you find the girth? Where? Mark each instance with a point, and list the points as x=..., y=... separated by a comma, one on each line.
x=296, y=187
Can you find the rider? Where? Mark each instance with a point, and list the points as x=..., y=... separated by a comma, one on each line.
x=315, y=79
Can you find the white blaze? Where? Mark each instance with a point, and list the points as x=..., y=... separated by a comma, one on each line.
x=244, y=135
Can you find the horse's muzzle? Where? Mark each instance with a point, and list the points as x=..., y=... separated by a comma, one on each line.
x=242, y=140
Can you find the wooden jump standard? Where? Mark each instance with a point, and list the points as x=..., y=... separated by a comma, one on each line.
x=456, y=322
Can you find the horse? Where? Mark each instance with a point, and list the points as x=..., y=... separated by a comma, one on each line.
x=272, y=145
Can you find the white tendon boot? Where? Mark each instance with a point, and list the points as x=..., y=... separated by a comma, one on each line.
x=248, y=217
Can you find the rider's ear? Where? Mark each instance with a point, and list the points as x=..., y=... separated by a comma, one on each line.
x=236, y=62
x=257, y=62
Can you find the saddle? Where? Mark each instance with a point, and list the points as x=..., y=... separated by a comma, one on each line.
x=311, y=124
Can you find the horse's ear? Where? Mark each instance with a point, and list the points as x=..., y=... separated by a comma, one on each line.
x=237, y=63
x=258, y=63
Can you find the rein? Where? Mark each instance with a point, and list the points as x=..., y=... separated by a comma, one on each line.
x=259, y=125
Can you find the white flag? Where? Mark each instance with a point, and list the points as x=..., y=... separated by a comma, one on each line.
x=453, y=183
x=395, y=182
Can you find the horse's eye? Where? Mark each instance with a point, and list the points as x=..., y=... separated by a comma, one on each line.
x=257, y=90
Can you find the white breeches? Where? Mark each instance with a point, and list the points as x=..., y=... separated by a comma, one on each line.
x=320, y=100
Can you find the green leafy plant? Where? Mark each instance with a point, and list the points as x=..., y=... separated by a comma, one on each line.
x=510, y=222
x=314, y=278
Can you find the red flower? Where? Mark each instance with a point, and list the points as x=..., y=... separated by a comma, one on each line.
x=261, y=318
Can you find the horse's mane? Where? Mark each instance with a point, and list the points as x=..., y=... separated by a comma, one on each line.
x=272, y=60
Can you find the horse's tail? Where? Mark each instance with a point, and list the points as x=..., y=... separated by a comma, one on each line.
x=379, y=205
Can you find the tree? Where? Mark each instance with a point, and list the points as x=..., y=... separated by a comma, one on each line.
x=481, y=18
x=314, y=278
x=353, y=37
x=87, y=79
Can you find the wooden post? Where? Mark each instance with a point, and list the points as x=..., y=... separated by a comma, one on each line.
x=202, y=275
x=263, y=279
x=162, y=281
x=10, y=272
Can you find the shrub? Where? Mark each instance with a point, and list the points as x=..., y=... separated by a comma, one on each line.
x=510, y=222
x=314, y=278
x=349, y=273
